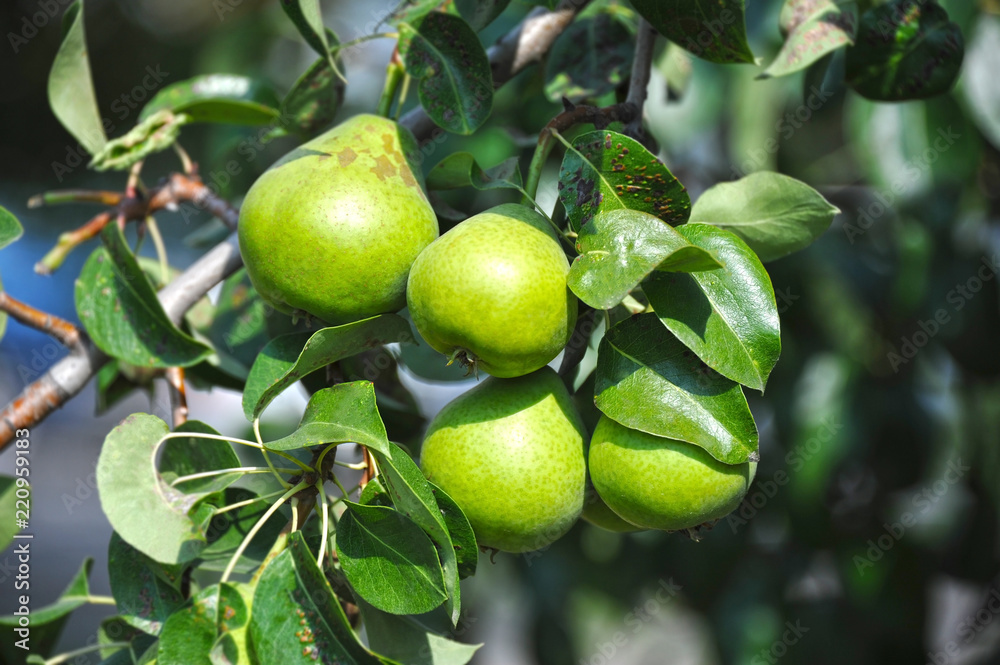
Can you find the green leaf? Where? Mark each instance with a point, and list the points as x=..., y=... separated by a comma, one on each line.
x=590, y=58
x=308, y=19
x=288, y=358
x=71, y=88
x=477, y=13
x=463, y=537
x=343, y=413
x=118, y=306
x=239, y=324
x=413, y=495
x=157, y=132
x=228, y=529
x=461, y=169
x=389, y=560
x=10, y=228
x=147, y=592
x=190, y=633
x=728, y=316
x=445, y=55
x=116, y=629
x=220, y=98
x=8, y=496
x=184, y=457
x=905, y=49
x=774, y=214
x=619, y=248
x=314, y=100
x=297, y=618
x=46, y=623
x=403, y=639
x=714, y=30
x=607, y=171
x=648, y=380
x=145, y=511
x=813, y=28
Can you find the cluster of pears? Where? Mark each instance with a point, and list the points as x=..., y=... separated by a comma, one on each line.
x=341, y=229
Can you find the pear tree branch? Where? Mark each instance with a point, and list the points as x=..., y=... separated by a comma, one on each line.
x=527, y=43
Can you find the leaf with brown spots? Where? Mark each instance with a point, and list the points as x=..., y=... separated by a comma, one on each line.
x=445, y=55
x=814, y=28
x=609, y=171
x=314, y=100
x=907, y=49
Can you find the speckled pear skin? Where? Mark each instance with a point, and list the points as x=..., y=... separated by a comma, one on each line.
x=333, y=227
x=596, y=512
x=495, y=287
x=510, y=452
x=660, y=483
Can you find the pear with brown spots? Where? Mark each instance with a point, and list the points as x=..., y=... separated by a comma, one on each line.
x=332, y=228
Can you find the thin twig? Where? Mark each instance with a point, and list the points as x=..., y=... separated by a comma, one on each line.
x=75, y=196
x=639, y=82
x=63, y=331
x=178, y=395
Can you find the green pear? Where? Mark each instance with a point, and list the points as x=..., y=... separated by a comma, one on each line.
x=660, y=483
x=596, y=512
x=333, y=227
x=492, y=292
x=510, y=452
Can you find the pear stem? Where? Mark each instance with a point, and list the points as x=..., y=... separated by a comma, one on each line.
x=393, y=77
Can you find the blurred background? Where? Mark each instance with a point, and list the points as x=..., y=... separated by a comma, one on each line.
x=871, y=532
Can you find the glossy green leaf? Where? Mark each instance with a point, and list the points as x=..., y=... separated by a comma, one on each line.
x=812, y=28
x=119, y=308
x=187, y=456
x=590, y=58
x=905, y=49
x=341, y=414
x=190, y=634
x=227, y=530
x=145, y=511
x=728, y=316
x=648, y=380
x=307, y=15
x=219, y=98
x=619, y=248
x=463, y=537
x=10, y=228
x=461, y=169
x=606, y=171
x=774, y=214
x=444, y=54
x=71, y=88
x=313, y=102
x=406, y=641
x=714, y=30
x=288, y=358
x=296, y=616
x=389, y=560
x=413, y=495
x=147, y=592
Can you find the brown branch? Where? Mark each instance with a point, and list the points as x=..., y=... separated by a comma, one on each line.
x=178, y=395
x=639, y=82
x=132, y=206
x=63, y=331
x=526, y=43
